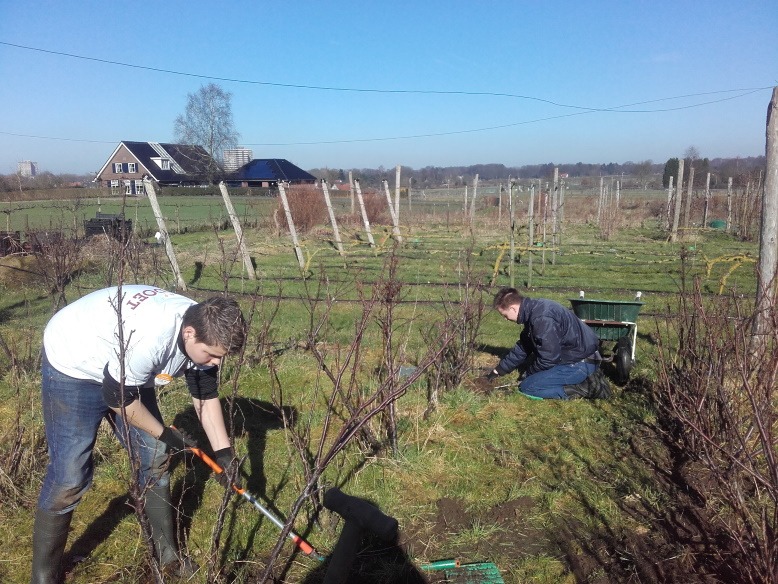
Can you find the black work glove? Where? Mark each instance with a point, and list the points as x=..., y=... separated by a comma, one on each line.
x=229, y=475
x=492, y=375
x=176, y=439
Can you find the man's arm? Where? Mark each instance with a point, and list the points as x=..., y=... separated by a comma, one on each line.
x=212, y=419
x=140, y=417
x=546, y=337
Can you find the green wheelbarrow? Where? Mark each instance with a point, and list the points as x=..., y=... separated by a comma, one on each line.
x=612, y=320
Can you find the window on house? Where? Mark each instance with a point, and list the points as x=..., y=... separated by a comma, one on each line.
x=114, y=187
x=117, y=167
x=127, y=187
x=139, y=187
x=165, y=164
x=131, y=167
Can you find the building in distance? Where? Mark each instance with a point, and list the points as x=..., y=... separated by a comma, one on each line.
x=27, y=168
x=234, y=158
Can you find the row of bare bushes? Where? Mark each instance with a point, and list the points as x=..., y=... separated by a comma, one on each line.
x=717, y=395
x=308, y=209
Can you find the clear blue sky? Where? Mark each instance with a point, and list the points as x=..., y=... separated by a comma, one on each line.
x=588, y=54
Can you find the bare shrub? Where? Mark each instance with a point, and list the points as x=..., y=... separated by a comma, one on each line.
x=461, y=324
x=307, y=207
x=717, y=394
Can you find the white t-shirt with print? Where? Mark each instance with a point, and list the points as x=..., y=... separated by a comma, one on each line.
x=84, y=336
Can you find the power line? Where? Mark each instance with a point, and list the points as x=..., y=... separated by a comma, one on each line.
x=373, y=90
x=622, y=109
x=449, y=133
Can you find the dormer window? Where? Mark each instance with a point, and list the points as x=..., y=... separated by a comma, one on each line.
x=163, y=163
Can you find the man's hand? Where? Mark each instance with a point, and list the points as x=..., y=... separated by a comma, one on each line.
x=492, y=375
x=229, y=475
x=176, y=439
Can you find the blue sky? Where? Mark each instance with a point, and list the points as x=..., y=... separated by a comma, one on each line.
x=443, y=61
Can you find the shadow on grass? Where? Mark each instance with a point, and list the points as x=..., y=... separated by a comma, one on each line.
x=250, y=418
x=668, y=536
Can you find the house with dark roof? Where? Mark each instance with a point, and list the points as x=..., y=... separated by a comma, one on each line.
x=165, y=164
x=267, y=173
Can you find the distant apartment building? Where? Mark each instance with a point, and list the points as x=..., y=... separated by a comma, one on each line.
x=234, y=158
x=27, y=168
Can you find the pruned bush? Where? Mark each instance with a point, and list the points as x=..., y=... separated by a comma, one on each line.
x=307, y=207
x=717, y=394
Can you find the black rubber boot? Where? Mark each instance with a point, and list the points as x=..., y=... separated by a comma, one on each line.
x=49, y=536
x=159, y=512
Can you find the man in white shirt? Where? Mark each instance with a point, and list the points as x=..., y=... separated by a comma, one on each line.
x=103, y=356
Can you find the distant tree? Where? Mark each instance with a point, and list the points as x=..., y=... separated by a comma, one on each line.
x=643, y=172
x=671, y=169
x=691, y=155
x=207, y=121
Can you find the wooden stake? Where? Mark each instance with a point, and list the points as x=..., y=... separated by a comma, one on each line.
x=531, y=230
x=729, y=204
x=292, y=231
x=364, y=213
x=238, y=232
x=396, y=226
x=397, y=171
x=351, y=189
x=472, y=201
x=335, y=231
x=669, y=203
x=707, y=201
x=678, y=197
x=768, y=236
x=512, y=234
x=152, y=194
x=554, y=215
x=688, y=208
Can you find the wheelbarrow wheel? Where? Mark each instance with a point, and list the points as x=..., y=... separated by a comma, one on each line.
x=623, y=359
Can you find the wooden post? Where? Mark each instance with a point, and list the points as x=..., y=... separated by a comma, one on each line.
x=499, y=204
x=290, y=222
x=678, y=197
x=688, y=208
x=397, y=171
x=554, y=215
x=768, y=237
x=396, y=226
x=512, y=235
x=729, y=204
x=409, y=195
x=351, y=189
x=238, y=232
x=472, y=201
x=333, y=221
x=152, y=194
x=364, y=213
x=599, y=202
x=544, y=199
x=707, y=201
x=464, y=209
x=561, y=210
x=531, y=230
x=669, y=203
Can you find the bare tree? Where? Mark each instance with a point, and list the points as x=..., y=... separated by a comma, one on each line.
x=207, y=121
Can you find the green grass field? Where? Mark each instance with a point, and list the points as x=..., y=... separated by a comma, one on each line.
x=548, y=491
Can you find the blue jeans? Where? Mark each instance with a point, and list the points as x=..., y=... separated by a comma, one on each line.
x=549, y=384
x=72, y=412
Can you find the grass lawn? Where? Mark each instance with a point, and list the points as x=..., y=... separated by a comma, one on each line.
x=548, y=491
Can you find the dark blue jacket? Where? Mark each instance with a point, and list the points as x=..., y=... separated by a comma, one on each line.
x=552, y=335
